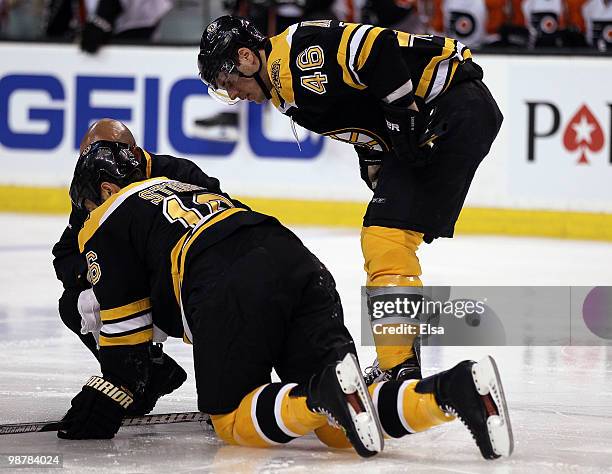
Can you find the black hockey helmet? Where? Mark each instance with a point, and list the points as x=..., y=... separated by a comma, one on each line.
x=219, y=50
x=114, y=162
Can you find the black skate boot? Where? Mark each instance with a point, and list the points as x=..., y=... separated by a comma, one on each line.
x=340, y=393
x=223, y=126
x=407, y=370
x=473, y=392
x=410, y=369
x=165, y=377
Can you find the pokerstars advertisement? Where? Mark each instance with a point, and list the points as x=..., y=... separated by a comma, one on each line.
x=559, y=118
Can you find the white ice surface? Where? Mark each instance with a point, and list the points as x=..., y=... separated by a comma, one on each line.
x=560, y=399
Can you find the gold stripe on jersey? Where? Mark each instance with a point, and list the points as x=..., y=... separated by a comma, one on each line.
x=276, y=99
x=139, y=337
x=366, y=46
x=101, y=213
x=431, y=68
x=179, y=252
x=149, y=163
x=437, y=71
x=125, y=310
x=403, y=38
x=279, y=70
x=344, y=55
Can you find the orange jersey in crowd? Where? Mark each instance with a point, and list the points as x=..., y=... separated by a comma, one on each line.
x=473, y=22
x=591, y=17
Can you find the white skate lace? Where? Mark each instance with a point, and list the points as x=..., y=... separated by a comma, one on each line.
x=449, y=410
x=373, y=369
x=373, y=374
x=331, y=420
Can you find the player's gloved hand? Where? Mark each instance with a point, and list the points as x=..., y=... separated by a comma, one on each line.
x=96, y=32
x=165, y=377
x=405, y=127
x=230, y=5
x=370, y=162
x=96, y=412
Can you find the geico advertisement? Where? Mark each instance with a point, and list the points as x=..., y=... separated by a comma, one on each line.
x=559, y=122
x=50, y=94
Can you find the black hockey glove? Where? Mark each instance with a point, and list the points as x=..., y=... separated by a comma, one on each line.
x=165, y=377
x=405, y=127
x=95, y=34
x=99, y=27
x=96, y=412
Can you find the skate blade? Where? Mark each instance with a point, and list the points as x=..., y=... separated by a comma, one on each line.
x=367, y=424
x=488, y=382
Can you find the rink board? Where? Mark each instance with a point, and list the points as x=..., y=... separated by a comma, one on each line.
x=547, y=173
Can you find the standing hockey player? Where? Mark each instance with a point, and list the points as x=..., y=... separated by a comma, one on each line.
x=71, y=267
x=250, y=298
x=414, y=107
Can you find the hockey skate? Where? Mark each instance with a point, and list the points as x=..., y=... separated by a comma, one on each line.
x=407, y=370
x=473, y=392
x=223, y=126
x=340, y=393
x=410, y=369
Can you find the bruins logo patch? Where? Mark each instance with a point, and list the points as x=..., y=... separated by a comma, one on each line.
x=360, y=138
x=275, y=73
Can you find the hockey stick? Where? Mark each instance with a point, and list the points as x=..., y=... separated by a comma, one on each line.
x=162, y=419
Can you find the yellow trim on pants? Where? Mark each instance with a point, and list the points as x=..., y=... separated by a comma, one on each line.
x=391, y=260
x=240, y=428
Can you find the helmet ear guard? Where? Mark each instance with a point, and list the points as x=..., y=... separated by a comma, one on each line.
x=113, y=162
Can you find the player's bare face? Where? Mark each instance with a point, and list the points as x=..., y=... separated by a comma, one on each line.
x=238, y=87
x=235, y=80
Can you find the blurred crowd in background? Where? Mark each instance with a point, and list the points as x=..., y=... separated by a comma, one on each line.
x=480, y=24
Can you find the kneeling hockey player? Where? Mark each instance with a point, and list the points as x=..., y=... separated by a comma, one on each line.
x=250, y=297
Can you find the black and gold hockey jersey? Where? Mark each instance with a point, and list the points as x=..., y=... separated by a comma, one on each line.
x=330, y=77
x=137, y=244
x=68, y=262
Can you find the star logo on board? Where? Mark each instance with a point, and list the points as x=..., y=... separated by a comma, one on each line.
x=583, y=132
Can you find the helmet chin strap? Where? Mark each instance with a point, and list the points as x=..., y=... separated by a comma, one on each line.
x=257, y=77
